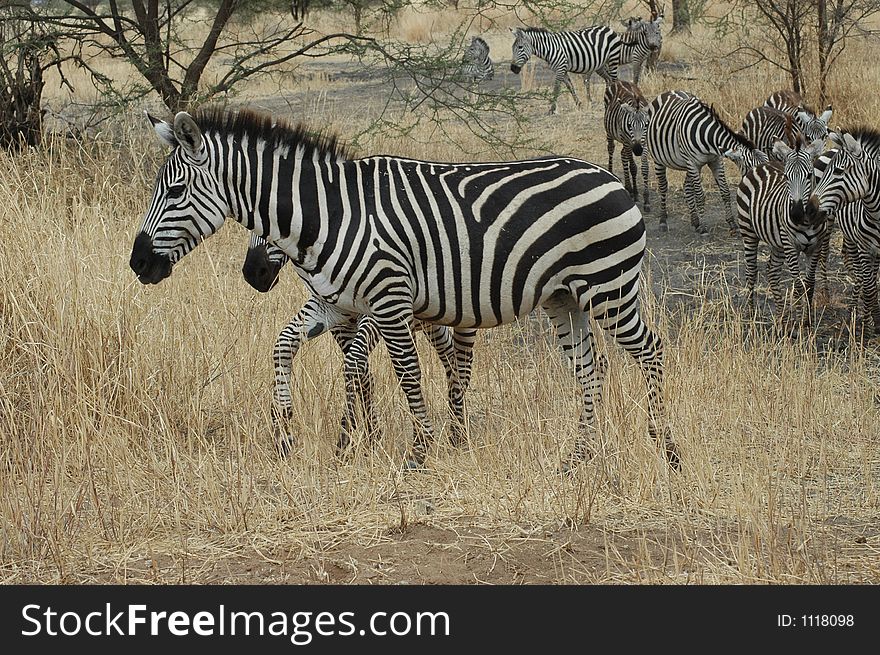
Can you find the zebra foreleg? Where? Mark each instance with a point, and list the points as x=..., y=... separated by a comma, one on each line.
x=314, y=319
x=774, y=274
x=394, y=324
x=646, y=201
x=717, y=168
x=696, y=199
x=610, y=155
x=445, y=342
x=750, y=246
x=629, y=172
x=663, y=192
x=868, y=265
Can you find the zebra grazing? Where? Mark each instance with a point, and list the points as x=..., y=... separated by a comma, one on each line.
x=770, y=201
x=685, y=134
x=476, y=64
x=455, y=348
x=764, y=126
x=640, y=41
x=592, y=49
x=860, y=228
x=626, y=120
x=470, y=245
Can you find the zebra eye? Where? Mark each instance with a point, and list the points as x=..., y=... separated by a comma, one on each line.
x=176, y=190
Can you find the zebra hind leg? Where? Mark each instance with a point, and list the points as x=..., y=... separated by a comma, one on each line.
x=663, y=192
x=576, y=341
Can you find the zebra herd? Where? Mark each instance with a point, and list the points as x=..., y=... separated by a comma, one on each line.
x=389, y=245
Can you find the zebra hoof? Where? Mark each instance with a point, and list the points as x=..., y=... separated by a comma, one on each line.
x=702, y=230
x=413, y=464
x=285, y=445
x=663, y=227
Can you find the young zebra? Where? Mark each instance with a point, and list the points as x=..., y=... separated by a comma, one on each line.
x=626, y=119
x=770, y=203
x=764, y=126
x=470, y=245
x=861, y=231
x=640, y=40
x=476, y=63
x=592, y=49
x=455, y=348
x=685, y=134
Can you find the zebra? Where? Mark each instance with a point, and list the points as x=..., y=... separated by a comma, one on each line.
x=455, y=348
x=583, y=51
x=861, y=232
x=785, y=101
x=685, y=134
x=640, y=40
x=764, y=126
x=626, y=119
x=476, y=64
x=770, y=202
x=470, y=245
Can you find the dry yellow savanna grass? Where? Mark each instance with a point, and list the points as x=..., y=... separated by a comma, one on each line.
x=136, y=443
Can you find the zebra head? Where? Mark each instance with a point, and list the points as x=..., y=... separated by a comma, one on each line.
x=635, y=125
x=798, y=167
x=746, y=157
x=847, y=177
x=522, y=50
x=653, y=37
x=263, y=263
x=188, y=203
x=476, y=60
x=814, y=127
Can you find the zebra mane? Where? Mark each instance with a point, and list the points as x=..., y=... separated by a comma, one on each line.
x=274, y=131
x=534, y=29
x=868, y=137
x=736, y=136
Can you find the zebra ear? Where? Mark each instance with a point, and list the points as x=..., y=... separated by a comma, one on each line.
x=825, y=116
x=852, y=145
x=188, y=133
x=164, y=130
x=816, y=148
x=781, y=149
x=836, y=138
x=735, y=156
x=803, y=116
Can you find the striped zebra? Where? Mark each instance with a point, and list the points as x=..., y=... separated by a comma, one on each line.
x=771, y=201
x=685, y=134
x=470, y=245
x=626, y=120
x=764, y=126
x=641, y=39
x=785, y=101
x=861, y=230
x=592, y=49
x=476, y=64
x=454, y=347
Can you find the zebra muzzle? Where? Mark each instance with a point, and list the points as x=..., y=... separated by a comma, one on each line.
x=148, y=265
x=515, y=69
x=637, y=149
x=259, y=271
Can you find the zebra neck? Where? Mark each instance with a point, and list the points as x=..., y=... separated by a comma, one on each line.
x=871, y=201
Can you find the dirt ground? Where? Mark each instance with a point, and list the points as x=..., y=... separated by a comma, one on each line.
x=686, y=271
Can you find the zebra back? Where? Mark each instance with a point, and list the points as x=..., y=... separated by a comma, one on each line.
x=784, y=101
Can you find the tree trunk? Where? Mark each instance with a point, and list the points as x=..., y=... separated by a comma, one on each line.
x=681, y=16
x=824, y=50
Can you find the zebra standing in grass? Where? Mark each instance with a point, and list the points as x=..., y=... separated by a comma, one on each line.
x=861, y=230
x=476, y=64
x=764, y=126
x=640, y=40
x=626, y=120
x=685, y=134
x=470, y=245
x=592, y=49
x=455, y=348
x=771, y=201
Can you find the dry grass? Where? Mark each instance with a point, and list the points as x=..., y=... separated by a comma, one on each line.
x=136, y=442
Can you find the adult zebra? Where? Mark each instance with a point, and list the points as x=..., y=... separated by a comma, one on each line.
x=764, y=126
x=685, y=134
x=465, y=245
x=626, y=119
x=477, y=66
x=640, y=40
x=454, y=347
x=770, y=202
x=592, y=49
x=860, y=228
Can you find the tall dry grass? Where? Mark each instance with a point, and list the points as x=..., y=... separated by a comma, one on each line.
x=137, y=447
